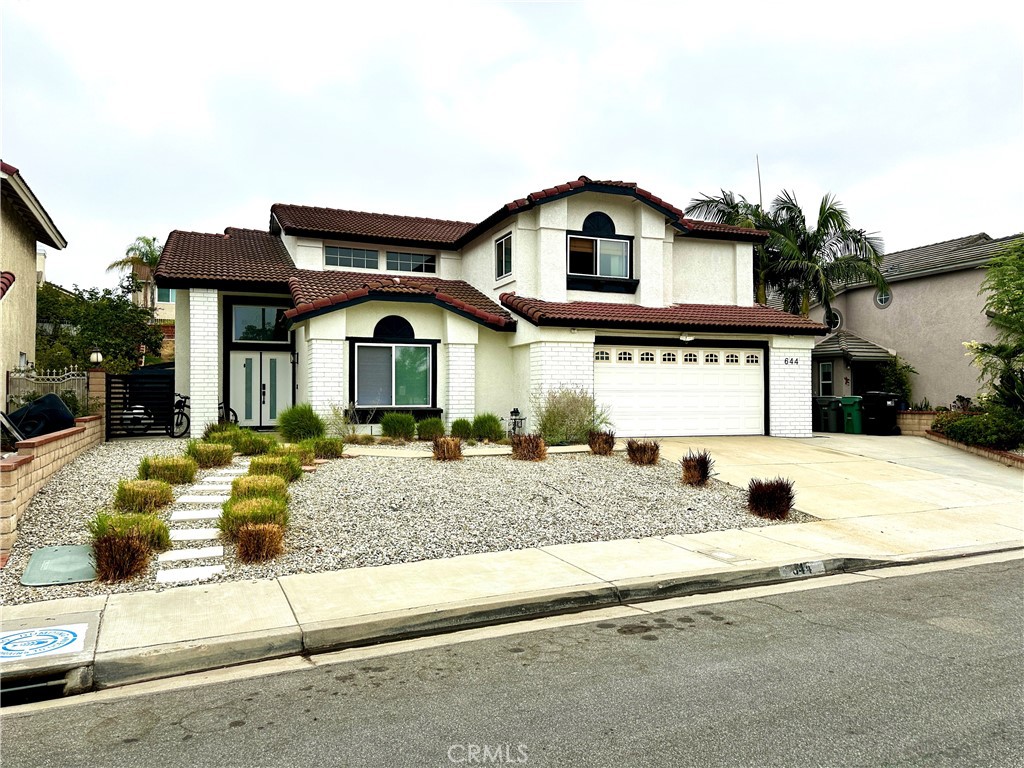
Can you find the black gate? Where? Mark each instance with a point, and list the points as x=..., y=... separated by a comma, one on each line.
x=140, y=403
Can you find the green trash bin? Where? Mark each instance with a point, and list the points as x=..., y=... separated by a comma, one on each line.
x=852, y=416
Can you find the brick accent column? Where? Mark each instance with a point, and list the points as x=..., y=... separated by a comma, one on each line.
x=558, y=365
x=204, y=363
x=790, y=392
x=461, y=382
x=325, y=375
x=96, y=383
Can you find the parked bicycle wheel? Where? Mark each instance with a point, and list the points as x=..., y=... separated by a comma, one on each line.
x=137, y=420
x=179, y=425
x=232, y=416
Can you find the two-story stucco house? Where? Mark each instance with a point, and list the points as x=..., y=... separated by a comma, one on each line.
x=24, y=223
x=593, y=284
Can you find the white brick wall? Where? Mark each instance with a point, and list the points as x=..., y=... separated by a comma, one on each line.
x=555, y=365
x=203, y=365
x=325, y=367
x=790, y=396
x=461, y=382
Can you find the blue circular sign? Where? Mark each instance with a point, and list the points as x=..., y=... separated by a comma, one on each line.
x=33, y=642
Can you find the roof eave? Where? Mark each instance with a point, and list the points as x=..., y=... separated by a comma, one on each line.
x=316, y=234
x=299, y=314
x=46, y=230
x=558, y=322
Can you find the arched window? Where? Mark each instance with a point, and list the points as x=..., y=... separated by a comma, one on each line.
x=646, y=357
x=393, y=327
x=598, y=224
x=625, y=357
x=690, y=357
x=732, y=359
x=602, y=356
x=596, y=251
x=753, y=359
x=711, y=358
x=668, y=357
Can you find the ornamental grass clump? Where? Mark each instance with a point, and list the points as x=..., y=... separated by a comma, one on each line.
x=259, y=541
x=300, y=422
x=286, y=467
x=302, y=451
x=176, y=470
x=487, y=426
x=770, y=499
x=601, y=443
x=643, y=452
x=214, y=431
x=236, y=513
x=398, y=426
x=326, y=447
x=208, y=455
x=447, y=449
x=142, y=495
x=150, y=527
x=697, y=468
x=249, y=443
x=428, y=429
x=120, y=556
x=529, y=448
x=258, y=486
x=462, y=428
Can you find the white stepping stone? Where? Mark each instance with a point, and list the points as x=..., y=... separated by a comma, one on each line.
x=205, y=498
x=194, y=534
x=210, y=487
x=217, y=479
x=174, y=555
x=198, y=573
x=195, y=514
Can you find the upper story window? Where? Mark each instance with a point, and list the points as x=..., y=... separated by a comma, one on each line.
x=597, y=251
x=412, y=262
x=335, y=256
x=883, y=298
x=503, y=257
x=165, y=295
x=833, y=320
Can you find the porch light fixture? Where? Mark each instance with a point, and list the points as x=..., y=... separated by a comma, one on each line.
x=95, y=357
x=686, y=338
x=295, y=358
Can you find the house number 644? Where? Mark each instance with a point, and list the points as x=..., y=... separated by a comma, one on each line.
x=791, y=361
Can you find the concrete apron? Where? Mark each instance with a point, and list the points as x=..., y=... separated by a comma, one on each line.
x=146, y=635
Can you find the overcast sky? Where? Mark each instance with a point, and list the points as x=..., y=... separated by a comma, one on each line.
x=137, y=118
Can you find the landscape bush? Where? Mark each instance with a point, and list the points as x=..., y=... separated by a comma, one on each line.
x=326, y=447
x=999, y=428
x=643, y=452
x=943, y=419
x=259, y=541
x=300, y=422
x=567, y=416
x=236, y=513
x=697, y=468
x=142, y=495
x=529, y=448
x=286, y=467
x=487, y=426
x=176, y=470
x=428, y=429
x=447, y=449
x=398, y=426
x=361, y=439
x=462, y=428
x=601, y=443
x=303, y=451
x=213, y=431
x=770, y=499
x=259, y=486
x=208, y=455
x=152, y=529
x=249, y=443
x=120, y=556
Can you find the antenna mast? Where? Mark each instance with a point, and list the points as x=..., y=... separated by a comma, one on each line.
x=760, y=199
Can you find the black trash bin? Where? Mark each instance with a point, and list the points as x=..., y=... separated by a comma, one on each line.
x=825, y=416
x=43, y=416
x=879, y=413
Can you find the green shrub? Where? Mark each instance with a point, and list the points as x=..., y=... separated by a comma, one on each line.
x=943, y=419
x=142, y=495
x=400, y=426
x=529, y=448
x=257, y=486
x=286, y=467
x=300, y=422
x=462, y=428
x=999, y=428
x=152, y=529
x=487, y=426
x=326, y=447
x=567, y=416
x=120, y=556
x=361, y=439
x=430, y=428
x=643, y=452
x=697, y=468
x=250, y=443
x=213, y=431
x=771, y=499
x=302, y=451
x=236, y=513
x=601, y=443
x=259, y=541
x=447, y=449
x=176, y=470
x=208, y=455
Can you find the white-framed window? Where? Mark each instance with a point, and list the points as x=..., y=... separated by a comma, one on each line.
x=753, y=359
x=883, y=298
x=393, y=375
x=711, y=358
x=668, y=357
x=647, y=357
x=399, y=261
x=825, y=379
x=625, y=357
x=833, y=320
x=732, y=359
x=363, y=258
x=165, y=295
x=598, y=257
x=690, y=357
x=602, y=356
x=503, y=257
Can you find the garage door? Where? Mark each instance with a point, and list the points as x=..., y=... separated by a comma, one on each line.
x=681, y=391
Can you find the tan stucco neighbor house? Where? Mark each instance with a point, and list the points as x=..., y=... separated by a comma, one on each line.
x=23, y=223
x=598, y=285
x=934, y=304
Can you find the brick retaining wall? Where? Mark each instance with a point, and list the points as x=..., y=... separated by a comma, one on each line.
x=1003, y=457
x=915, y=423
x=24, y=473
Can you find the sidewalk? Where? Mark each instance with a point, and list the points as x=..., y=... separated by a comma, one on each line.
x=873, y=511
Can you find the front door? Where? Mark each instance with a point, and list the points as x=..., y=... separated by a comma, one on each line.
x=261, y=386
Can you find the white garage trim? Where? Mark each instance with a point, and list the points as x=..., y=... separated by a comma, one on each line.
x=703, y=388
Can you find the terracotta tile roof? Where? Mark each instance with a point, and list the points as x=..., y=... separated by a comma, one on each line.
x=6, y=281
x=239, y=255
x=678, y=317
x=299, y=219
x=313, y=290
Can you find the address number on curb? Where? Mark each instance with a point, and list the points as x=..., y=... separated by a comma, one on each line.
x=797, y=570
x=791, y=361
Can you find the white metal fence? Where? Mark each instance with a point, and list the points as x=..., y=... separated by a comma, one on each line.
x=70, y=384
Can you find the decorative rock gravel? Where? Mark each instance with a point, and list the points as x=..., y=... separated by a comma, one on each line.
x=375, y=510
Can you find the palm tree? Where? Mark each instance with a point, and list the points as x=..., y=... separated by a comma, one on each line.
x=142, y=258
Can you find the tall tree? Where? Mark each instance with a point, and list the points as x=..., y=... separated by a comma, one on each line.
x=142, y=258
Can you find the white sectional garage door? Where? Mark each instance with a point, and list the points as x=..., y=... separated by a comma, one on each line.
x=681, y=391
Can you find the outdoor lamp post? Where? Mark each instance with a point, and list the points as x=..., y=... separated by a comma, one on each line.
x=95, y=357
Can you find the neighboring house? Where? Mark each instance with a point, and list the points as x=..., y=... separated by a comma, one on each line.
x=592, y=284
x=163, y=308
x=23, y=224
x=933, y=305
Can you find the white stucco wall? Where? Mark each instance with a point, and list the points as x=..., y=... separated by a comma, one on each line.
x=18, y=308
x=712, y=272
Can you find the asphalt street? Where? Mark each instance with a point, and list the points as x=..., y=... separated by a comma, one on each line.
x=918, y=670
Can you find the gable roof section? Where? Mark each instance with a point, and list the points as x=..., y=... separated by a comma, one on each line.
x=677, y=317
x=316, y=293
x=850, y=346
x=18, y=193
x=239, y=256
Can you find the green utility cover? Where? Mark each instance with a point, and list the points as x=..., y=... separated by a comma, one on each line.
x=59, y=565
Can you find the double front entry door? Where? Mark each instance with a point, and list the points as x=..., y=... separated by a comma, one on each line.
x=261, y=386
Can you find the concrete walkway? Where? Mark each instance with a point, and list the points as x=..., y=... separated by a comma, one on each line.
x=879, y=501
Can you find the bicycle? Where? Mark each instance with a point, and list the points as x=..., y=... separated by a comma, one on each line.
x=180, y=420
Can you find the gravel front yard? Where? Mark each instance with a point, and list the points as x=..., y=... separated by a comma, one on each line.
x=371, y=510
